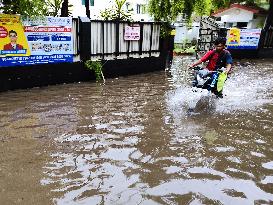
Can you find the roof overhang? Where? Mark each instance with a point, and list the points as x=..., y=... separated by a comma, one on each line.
x=234, y=6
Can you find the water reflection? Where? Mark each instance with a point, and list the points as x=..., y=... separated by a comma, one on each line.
x=133, y=141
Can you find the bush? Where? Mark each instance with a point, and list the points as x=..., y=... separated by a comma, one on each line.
x=96, y=67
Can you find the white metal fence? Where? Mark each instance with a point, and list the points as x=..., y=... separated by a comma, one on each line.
x=107, y=40
x=75, y=32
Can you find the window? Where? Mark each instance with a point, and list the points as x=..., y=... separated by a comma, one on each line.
x=229, y=24
x=127, y=6
x=138, y=6
x=143, y=9
x=140, y=9
x=91, y=2
x=241, y=24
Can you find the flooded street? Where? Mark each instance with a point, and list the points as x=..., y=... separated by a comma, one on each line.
x=134, y=141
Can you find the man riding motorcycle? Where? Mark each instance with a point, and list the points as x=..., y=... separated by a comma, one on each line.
x=219, y=59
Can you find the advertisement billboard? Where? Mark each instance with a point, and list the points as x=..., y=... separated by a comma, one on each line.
x=243, y=38
x=28, y=41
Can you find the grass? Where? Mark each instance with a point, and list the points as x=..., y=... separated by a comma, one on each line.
x=190, y=50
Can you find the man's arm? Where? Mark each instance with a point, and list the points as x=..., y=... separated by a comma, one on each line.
x=203, y=59
x=228, y=68
x=196, y=63
x=229, y=63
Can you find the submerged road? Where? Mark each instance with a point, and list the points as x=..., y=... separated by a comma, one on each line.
x=133, y=141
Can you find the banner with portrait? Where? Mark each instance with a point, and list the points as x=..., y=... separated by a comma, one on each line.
x=28, y=41
x=13, y=40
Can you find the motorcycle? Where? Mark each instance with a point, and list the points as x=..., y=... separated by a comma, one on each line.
x=213, y=81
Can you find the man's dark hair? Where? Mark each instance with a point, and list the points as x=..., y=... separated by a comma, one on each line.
x=12, y=31
x=220, y=40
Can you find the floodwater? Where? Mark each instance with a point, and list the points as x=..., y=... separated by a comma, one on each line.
x=145, y=139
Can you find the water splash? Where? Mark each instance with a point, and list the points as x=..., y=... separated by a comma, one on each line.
x=246, y=89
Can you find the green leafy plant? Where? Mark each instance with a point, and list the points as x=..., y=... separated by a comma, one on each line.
x=180, y=48
x=23, y=7
x=169, y=10
x=116, y=12
x=96, y=67
x=36, y=8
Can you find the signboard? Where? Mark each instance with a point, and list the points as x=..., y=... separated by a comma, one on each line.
x=13, y=41
x=233, y=37
x=132, y=33
x=243, y=38
x=35, y=40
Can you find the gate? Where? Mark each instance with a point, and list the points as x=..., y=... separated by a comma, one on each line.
x=208, y=32
x=266, y=40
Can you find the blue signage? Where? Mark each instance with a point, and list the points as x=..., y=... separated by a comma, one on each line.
x=35, y=59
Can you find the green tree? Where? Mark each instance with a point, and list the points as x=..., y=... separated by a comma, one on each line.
x=118, y=6
x=58, y=8
x=37, y=7
x=24, y=7
x=54, y=7
x=116, y=12
x=168, y=10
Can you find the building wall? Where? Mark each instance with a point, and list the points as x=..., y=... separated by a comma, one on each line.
x=231, y=18
x=236, y=15
x=182, y=32
x=139, y=10
x=256, y=23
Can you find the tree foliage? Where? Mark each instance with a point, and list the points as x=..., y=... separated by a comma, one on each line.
x=36, y=7
x=24, y=7
x=54, y=7
x=116, y=12
x=168, y=10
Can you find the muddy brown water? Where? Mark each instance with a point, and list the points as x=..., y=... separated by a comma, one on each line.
x=134, y=141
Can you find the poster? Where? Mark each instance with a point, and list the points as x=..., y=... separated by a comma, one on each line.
x=243, y=38
x=28, y=41
x=233, y=37
x=13, y=40
x=132, y=33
